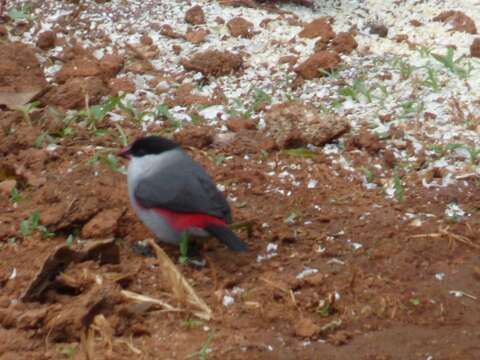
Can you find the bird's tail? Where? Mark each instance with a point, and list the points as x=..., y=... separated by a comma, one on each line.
x=227, y=236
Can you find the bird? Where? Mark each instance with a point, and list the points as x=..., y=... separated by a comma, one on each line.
x=173, y=195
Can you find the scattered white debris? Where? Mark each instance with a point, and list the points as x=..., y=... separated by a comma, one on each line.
x=321, y=249
x=335, y=261
x=13, y=275
x=312, y=184
x=271, y=251
x=51, y=147
x=236, y=290
x=439, y=276
x=459, y=293
x=271, y=247
x=305, y=272
x=354, y=245
x=212, y=112
x=228, y=300
x=198, y=263
x=454, y=211
x=416, y=222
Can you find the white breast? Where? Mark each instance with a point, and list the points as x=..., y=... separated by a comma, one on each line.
x=138, y=168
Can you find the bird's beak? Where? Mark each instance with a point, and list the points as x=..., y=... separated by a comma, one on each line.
x=125, y=153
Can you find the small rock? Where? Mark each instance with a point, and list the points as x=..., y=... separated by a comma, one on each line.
x=118, y=85
x=167, y=30
x=340, y=338
x=288, y=59
x=315, y=279
x=475, y=48
x=80, y=67
x=111, y=64
x=323, y=60
x=21, y=76
x=6, y=186
x=389, y=158
x=177, y=49
x=239, y=27
x=379, y=29
x=103, y=224
x=146, y=40
x=184, y=96
x=195, y=15
x=197, y=136
x=318, y=28
x=213, y=62
x=306, y=328
x=3, y=31
x=458, y=20
x=295, y=124
x=320, y=45
x=344, y=42
x=368, y=141
x=239, y=124
x=399, y=38
x=415, y=23
x=46, y=40
x=71, y=94
x=196, y=36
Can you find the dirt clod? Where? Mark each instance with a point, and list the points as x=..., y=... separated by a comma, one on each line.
x=239, y=27
x=195, y=15
x=323, y=60
x=197, y=136
x=295, y=124
x=344, y=42
x=6, y=186
x=46, y=40
x=213, y=62
x=379, y=29
x=111, y=64
x=21, y=76
x=475, y=48
x=72, y=94
x=196, y=36
x=78, y=68
x=367, y=140
x=458, y=20
x=238, y=124
x=103, y=224
x=306, y=328
x=318, y=28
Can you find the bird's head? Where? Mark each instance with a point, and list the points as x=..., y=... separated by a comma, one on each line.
x=148, y=145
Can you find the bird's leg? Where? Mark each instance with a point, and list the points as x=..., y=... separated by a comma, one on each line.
x=183, y=259
x=190, y=252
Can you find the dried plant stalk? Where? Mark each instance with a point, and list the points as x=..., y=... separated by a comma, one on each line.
x=180, y=286
x=130, y=295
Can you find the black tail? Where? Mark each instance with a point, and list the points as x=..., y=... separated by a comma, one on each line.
x=227, y=236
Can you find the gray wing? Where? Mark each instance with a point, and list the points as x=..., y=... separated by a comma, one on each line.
x=183, y=187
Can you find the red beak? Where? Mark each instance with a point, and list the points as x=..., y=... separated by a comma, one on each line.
x=125, y=153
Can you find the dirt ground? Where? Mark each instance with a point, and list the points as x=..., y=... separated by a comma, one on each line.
x=361, y=246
